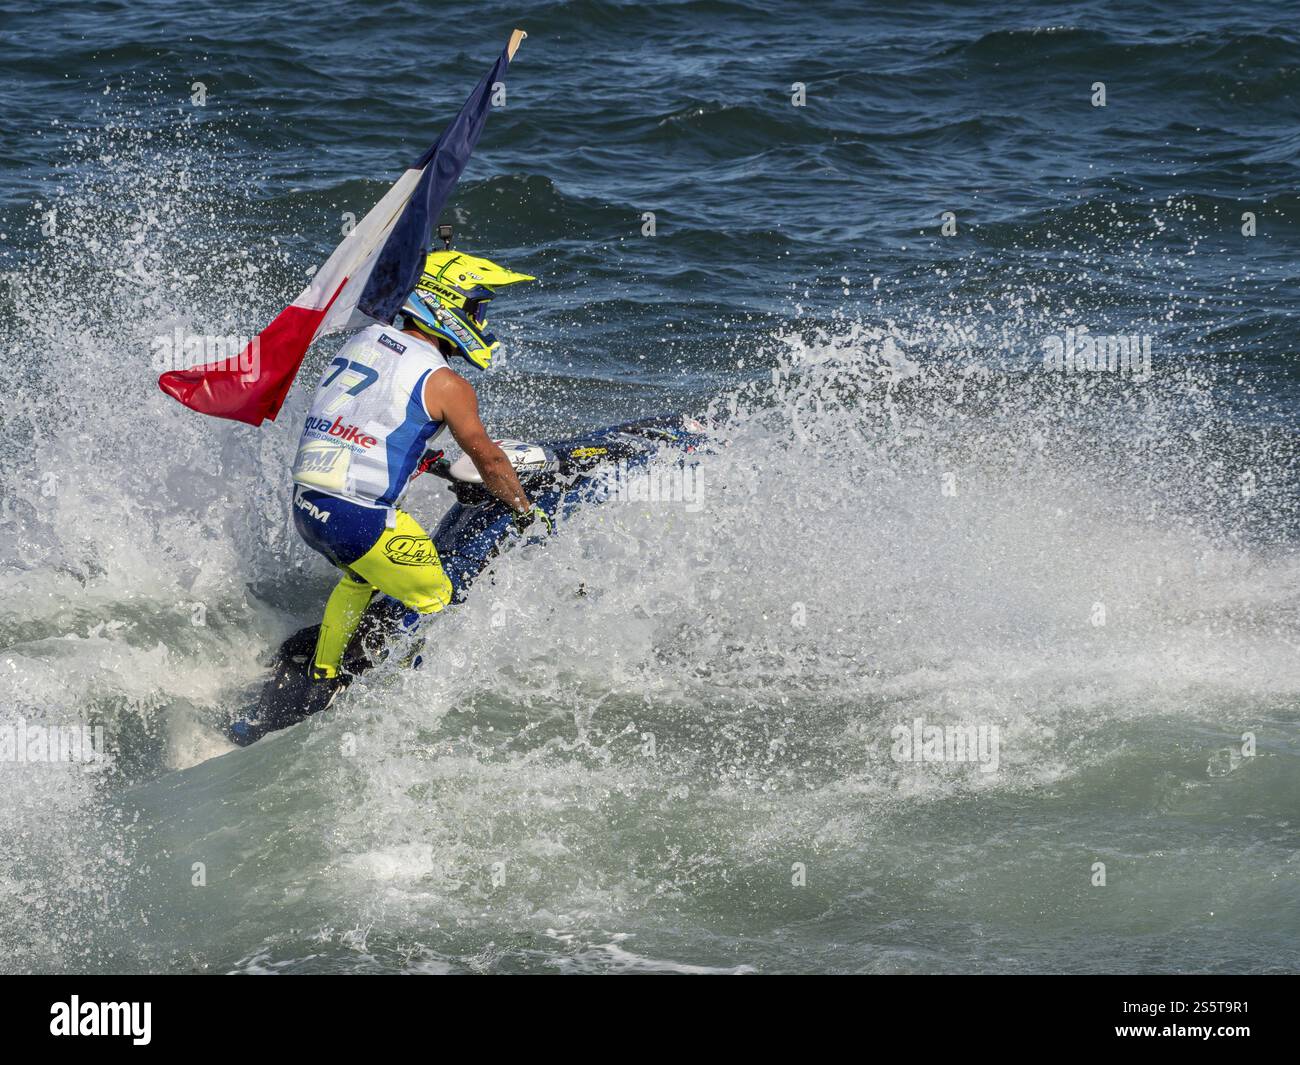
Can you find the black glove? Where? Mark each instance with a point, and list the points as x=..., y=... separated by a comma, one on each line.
x=525, y=519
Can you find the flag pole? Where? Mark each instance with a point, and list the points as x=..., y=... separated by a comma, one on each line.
x=513, y=46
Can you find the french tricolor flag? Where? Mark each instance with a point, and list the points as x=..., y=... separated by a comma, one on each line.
x=367, y=278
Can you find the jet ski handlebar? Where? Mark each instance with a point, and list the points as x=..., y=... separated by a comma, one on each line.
x=569, y=458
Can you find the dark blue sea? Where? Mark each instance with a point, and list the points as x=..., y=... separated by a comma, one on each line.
x=991, y=311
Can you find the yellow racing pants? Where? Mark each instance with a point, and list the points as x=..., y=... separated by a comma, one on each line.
x=377, y=549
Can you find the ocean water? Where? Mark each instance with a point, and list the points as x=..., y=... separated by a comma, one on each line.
x=908, y=515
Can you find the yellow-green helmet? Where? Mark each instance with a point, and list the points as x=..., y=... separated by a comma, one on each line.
x=450, y=301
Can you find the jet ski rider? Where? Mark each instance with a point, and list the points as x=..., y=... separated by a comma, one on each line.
x=383, y=398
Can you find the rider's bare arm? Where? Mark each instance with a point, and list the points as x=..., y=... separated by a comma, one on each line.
x=449, y=398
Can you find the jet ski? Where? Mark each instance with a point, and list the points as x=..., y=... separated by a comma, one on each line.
x=560, y=475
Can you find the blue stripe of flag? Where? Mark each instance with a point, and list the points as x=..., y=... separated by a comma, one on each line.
x=402, y=258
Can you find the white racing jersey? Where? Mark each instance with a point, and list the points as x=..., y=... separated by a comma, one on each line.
x=368, y=427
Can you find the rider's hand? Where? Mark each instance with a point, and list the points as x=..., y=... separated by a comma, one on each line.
x=525, y=519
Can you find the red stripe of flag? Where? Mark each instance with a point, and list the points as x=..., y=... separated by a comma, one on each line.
x=225, y=391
